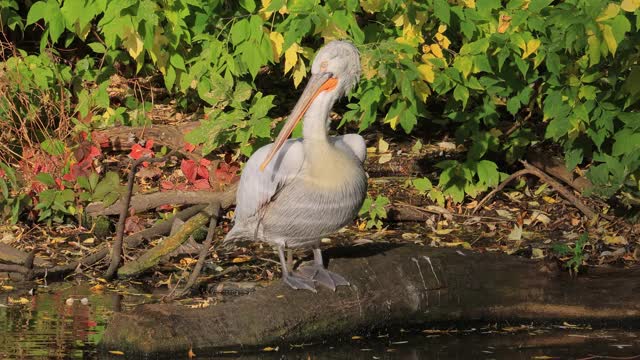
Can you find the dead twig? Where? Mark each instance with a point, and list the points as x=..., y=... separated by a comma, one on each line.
x=116, y=251
x=202, y=256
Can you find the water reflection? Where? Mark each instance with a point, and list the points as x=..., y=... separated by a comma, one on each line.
x=46, y=327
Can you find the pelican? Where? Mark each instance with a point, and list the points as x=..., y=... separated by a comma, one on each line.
x=294, y=192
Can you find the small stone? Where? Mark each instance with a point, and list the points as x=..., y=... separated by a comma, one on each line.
x=69, y=301
x=84, y=301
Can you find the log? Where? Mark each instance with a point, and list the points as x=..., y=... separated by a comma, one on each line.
x=392, y=286
x=141, y=203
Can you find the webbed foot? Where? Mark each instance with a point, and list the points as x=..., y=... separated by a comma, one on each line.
x=322, y=276
x=299, y=283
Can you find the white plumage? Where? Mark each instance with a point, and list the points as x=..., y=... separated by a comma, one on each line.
x=294, y=192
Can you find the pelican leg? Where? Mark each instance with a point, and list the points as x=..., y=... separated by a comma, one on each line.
x=318, y=273
x=296, y=282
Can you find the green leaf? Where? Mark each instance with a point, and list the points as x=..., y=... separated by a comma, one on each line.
x=97, y=47
x=572, y=158
x=240, y=31
x=442, y=10
x=599, y=174
x=46, y=179
x=537, y=5
x=488, y=173
x=4, y=189
x=177, y=61
x=422, y=184
x=626, y=142
x=461, y=93
x=249, y=5
x=53, y=147
x=37, y=11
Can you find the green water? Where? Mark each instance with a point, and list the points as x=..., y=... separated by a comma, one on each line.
x=46, y=326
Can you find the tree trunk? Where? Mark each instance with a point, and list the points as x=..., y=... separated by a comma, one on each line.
x=399, y=286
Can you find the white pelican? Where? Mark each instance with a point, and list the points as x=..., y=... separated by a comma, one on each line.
x=294, y=192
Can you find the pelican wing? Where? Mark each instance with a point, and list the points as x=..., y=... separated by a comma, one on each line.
x=257, y=187
x=353, y=143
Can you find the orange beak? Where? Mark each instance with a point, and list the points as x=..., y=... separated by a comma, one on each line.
x=317, y=84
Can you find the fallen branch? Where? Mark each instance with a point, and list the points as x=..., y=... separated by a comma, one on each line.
x=532, y=170
x=141, y=203
x=9, y=254
x=153, y=256
x=172, y=136
x=555, y=166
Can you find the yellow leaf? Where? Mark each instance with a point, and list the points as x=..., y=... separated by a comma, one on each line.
x=241, y=259
x=299, y=73
x=615, y=240
x=609, y=38
x=384, y=158
x=399, y=19
x=609, y=12
x=532, y=46
x=436, y=50
x=98, y=288
x=116, y=352
x=630, y=5
x=332, y=32
x=422, y=89
x=276, y=44
x=291, y=57
x=368, y=69
x=443, y=41
x=57, y=240
x=549, y=199
x=505, y=22
x=19, y=301
x=443, y=231
x=383, y=146
x=7, y=287
x=392, y=121
x=133, y=42
x=464, y=244
x=158, y=52
x=470, y=3
x=269, y=348
x=426, y=73
x=372, y=6
x=442, y=28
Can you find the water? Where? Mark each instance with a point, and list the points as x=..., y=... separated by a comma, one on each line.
x=45, y=326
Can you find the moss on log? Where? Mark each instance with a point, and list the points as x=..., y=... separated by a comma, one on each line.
x=153, y=256
x=391, y=286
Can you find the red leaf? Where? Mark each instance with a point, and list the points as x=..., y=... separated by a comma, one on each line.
x=202, y=184
x=227, y=173
x=137, y=151
x=203, y=172
x=189, y=170
x=189, y=147
x=167, y=185
x=133, y=224
x=100, y=139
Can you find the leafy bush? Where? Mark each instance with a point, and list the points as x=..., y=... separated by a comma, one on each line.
x=504, y=75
